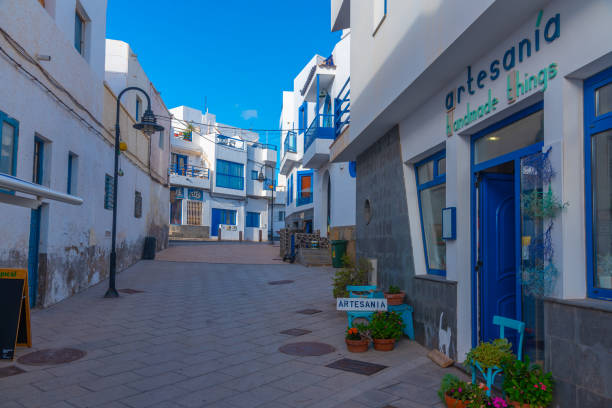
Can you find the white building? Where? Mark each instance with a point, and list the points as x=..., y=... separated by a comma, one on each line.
x=477, y=110
x=215, y=175
x=57, y=143
x=320, y=194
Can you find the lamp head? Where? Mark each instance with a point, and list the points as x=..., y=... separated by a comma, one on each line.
x=148, y=123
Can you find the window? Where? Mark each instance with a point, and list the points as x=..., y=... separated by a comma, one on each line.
x=138, y=107
x=378, y=15
x=281, y=216
x=598, y=166
x=37, y=167
x=226, y=217
x=230, y=175
x=431, y=189
x=176, y=205
x=108, y=192
x=252, y=220
x=290, y=190
x=71, y=183
x=254, y=175
x=304, y=191
x=303, y=117
x=8, y=155
x=161, y=139
x=137, y=204
x=79, y=33
x=194, y=212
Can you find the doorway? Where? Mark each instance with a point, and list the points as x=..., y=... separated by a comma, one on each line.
x=498, y=225
x=35, y=221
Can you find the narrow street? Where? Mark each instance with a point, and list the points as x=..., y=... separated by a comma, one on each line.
x=208, y=334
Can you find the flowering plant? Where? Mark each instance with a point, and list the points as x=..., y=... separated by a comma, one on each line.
x=527, y=383
x=352, y=333
x=497, y=402
x=453, y=387
x=386, y=325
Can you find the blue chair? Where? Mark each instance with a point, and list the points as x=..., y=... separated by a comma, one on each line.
x=490, y=373
x=365, y=292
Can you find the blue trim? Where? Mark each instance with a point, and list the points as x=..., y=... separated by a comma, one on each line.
x=304, y=200
x=353, y=169
x=437, y=180
x=15, y=124
x=593, y=125
x=69, y=181
x=227, y=175
x=303, y=117
x=512, y=156
x=252, y=219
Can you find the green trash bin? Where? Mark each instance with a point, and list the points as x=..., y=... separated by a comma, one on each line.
x=338, y=249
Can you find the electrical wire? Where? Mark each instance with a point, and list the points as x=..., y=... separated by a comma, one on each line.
x=231, y=127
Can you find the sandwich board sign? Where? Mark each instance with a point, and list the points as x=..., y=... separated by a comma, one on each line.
x=361, y=305
x=14, y=311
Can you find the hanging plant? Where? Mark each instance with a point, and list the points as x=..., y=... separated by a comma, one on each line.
x=539, y=204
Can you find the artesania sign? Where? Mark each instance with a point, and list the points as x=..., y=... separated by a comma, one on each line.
x=517, y=86
x=361, y=305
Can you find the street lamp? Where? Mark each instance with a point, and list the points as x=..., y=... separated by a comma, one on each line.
x=262, y=179
x=148, y=125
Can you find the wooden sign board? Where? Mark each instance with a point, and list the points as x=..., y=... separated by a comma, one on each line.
x=14, y=311
x=361, y=305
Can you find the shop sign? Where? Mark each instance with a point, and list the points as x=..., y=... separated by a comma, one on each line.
x=179, y=192
x=361, y=305
x=514, y=55
x=195, y=194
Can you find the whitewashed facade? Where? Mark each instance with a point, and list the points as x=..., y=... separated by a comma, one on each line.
x=214, y=173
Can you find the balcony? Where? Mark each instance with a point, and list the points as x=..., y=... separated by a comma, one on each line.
x=230, y=142
x=183, y=140
x=268, y=153
x=317, y=139
x=342, y=120
x=189, y=176
x=290, y=156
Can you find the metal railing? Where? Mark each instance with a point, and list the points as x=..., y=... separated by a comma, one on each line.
x=320, y=122
x=189, y=170
x=291, y=142
x=342, y=116
x=186, y=135
x=230, y=142
x=264, y=146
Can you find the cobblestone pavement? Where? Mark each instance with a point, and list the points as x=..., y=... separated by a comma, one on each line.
x=204, y=334
x=222, y=252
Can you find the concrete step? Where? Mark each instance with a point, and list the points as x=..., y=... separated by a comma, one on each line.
x=314, y=257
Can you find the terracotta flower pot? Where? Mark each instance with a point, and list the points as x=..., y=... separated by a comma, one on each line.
x=454, y=403
x=357, y=346
x=522, y=405
x=395, y=299
x=384, y=344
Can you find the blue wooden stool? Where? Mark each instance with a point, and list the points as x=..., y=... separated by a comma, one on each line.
x=365, y=292
x=490, y=373
x=405, y=311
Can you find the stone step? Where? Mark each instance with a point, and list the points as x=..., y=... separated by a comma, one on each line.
x=314, y=257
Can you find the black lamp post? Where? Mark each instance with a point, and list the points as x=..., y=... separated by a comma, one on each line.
x=262, y=178
x=148, y=124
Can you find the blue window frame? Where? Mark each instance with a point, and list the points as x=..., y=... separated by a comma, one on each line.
x=598, y=183
x=230, y=175
x=431, y=189
x=9, y=132
x=252, y=219
x=69, y=181
x=254, y=175
x=303, y=117
x=305, y=180
x=290, y=190
x=79, y=27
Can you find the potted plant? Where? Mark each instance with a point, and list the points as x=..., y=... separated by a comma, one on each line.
x=356, y=342
x=490, y=354
x=527, y=385
x=385, y=328
x=454, y=392
x=394, y=296
x=351, y=274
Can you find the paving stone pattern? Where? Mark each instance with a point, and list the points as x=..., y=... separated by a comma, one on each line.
x=207, y=335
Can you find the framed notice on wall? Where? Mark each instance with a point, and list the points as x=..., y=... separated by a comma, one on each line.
x=449, y=223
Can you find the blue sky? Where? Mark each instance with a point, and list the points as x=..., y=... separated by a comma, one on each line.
x=240, y=54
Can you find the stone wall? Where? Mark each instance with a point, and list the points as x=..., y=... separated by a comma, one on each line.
x=578, y=343
x=435, y=313
x=386, y=235
x=189, y=231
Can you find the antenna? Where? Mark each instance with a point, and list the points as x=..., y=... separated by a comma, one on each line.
x=206, y=104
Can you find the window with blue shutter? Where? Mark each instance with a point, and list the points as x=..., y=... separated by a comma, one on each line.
x=230, y=175
x=252, y=220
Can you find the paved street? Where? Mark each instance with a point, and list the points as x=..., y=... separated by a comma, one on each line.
x=207, y=334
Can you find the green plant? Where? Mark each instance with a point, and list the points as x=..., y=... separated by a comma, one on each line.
x=351, y=274
x=393, y=290
x=539, y=204
x=489, y=354
x=454, y=387
x=527, y=383
x=386, y=325
x=352, y=333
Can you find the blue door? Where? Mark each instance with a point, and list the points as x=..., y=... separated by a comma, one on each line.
x=34, y=241
x=497, y=266
x=220, y=216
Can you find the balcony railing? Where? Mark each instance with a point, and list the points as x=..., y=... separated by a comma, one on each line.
x=291, y=142
x=230, y=142
x=322, y=127
x=188, y=170
x=342, y=116
x=186, y=135
x=265, y=146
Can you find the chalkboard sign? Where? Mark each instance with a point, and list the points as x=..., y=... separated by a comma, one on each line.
x=14, y=311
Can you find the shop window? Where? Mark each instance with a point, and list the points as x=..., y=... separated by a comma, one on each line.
x=598, y=166
x=9, y=130
x=252, y=220
x=304, y=189
x=230, y=175
x=509, y=138
x=194, y=212
x=431, y=187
